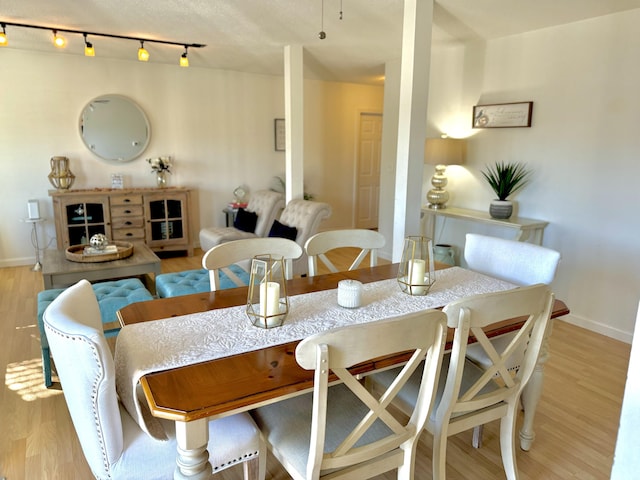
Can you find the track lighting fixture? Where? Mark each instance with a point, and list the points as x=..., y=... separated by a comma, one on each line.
x=184, y=59
x=58, y=41
x=89, y=50
x=3, y=36
x=143, y=55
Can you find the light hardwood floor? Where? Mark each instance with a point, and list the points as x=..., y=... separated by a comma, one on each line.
x=576, y=422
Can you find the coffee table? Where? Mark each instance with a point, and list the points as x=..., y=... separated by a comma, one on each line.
x=58, y=272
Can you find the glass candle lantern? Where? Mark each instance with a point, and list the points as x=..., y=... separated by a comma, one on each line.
x=267, y=301
x=416, y=273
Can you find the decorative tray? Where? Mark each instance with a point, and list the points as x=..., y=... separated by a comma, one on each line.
x=79, y=253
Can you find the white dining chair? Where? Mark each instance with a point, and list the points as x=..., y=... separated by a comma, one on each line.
x=112, y=442
x=236, y=251
x=265, y=204
x=469, y=395
x=342, y=431
x=368, y=241
x=516, y=262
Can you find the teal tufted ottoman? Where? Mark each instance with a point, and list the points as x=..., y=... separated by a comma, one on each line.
x=196, y=281
x=112, y=296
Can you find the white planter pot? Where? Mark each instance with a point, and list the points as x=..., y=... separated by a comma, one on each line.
x=501, y=209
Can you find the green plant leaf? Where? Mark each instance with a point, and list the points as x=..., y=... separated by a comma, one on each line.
x=506, y=178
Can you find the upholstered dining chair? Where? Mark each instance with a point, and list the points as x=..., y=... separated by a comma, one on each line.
x=342, y=431
x=517, y=262
x=469, y=395
x=299, y=220
x=264, y=206
x=368, y=241
x=113, y=444
x=236, y=251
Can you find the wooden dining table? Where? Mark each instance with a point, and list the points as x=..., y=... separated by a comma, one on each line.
x=194, y=394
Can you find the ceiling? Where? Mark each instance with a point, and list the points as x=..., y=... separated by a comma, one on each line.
x=249, y=35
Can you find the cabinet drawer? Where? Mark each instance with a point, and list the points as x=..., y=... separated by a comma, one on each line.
x=133, y=199
x=128, y=233
x=127, y=222
x=126, y=211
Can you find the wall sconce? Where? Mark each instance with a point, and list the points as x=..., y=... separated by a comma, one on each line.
x=442, y=152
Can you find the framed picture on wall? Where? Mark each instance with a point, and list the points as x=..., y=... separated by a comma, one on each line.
x=279, y=134
x=502, y=115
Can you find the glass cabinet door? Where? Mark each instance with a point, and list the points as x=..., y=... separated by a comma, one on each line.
x=84, y=219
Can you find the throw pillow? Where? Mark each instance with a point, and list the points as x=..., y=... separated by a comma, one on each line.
x=285, y=231
x=245, y=220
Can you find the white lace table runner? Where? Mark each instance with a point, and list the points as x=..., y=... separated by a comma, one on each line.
x=158, y=345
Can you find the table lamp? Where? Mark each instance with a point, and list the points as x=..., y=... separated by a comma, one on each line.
x=442, y=152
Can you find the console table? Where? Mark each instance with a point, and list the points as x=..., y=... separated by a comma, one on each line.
x=526, y=229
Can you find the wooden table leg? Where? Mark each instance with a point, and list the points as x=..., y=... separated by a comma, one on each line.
x=193, y=458
x=531, y=395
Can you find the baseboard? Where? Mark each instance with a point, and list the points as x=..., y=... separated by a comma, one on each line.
x=600, y=328
x=17, y=262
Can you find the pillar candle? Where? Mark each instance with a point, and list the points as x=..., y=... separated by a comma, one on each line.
x=416, y=275
x=269, y=299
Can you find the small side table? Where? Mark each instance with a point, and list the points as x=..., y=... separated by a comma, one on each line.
x=230, y=215
x=34, y=240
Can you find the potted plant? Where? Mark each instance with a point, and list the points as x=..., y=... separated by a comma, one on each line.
x=505, y=179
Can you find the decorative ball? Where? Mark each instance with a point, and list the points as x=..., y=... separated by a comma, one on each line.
x=99, y=241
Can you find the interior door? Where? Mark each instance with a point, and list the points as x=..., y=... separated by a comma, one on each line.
x=368, y=174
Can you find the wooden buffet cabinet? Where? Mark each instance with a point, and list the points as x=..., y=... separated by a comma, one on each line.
x=157, y=216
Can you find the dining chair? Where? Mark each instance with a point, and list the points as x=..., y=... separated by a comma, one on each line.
x=516, y=262
x=265, y=204
x=342, y=431
x=368, y=241
x=300, y=220
x=469, y=395
x=112, y=442
x=236, y=251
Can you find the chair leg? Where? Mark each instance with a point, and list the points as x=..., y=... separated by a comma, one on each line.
x=439, y=454
x=256, y=468
x=477, y=436
x=46, y=367
x=508, y=442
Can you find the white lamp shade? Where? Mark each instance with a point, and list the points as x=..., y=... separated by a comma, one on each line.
x=444, y=151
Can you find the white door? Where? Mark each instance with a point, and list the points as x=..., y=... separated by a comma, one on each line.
x=368, y=174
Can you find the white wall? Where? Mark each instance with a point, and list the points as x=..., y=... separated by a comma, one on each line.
x=582, y=146
x=218, y=126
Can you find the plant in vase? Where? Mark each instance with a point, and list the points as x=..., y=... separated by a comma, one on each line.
x=505, y=179
x=161, y=166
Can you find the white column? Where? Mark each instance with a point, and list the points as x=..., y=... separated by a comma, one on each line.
x=412, y=115
x=294, y=121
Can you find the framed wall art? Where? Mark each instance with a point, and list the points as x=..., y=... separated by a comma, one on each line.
x=502, y=115
x=279, y=134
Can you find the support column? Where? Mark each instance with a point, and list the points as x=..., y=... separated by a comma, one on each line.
x=294, y=123
x=412, y=120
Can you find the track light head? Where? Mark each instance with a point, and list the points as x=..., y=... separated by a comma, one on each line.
x=184, y=59
x=3, y=36
x=89, y=51
x=58, y=41
x=143, y=55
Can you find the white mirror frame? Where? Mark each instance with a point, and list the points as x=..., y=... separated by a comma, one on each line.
x=114, y=128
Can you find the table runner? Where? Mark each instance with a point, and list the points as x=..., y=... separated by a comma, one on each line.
x=158, y=345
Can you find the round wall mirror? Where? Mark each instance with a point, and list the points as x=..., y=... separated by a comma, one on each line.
x=114, y=128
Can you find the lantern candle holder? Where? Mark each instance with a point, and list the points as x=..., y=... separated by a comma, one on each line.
x=267, y=301
x=416, y=274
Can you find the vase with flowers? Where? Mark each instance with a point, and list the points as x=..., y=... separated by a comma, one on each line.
x=161, y=166
x=505, y=179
